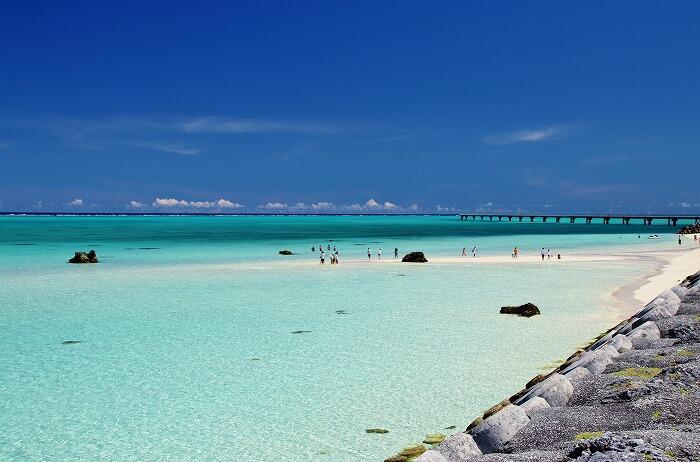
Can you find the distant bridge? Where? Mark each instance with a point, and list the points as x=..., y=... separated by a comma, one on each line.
x=671, y=220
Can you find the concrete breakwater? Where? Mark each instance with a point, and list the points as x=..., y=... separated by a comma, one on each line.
x=632, y=395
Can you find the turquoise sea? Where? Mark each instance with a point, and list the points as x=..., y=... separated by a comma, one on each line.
x=185, y=327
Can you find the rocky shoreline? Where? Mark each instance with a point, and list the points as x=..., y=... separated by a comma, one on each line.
x=632, y=395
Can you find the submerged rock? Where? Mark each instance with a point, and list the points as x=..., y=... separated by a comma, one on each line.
x=301, y=332
x=414, y=257
x=82, y=257
x=71, y=342
x=285, y=252
x=376, y=430
x=434, y=438
x=527, y=310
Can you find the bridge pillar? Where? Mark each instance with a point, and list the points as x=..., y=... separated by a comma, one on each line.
x=482, y=218
x=510, y=218
x=532, y=219
x=625, y=221
x=572, y=220
x=544, y=219
x=589, y=220
x=490, y=217
x=606, y=220
x=558, y=219
x=674, y=221
x=500, y=218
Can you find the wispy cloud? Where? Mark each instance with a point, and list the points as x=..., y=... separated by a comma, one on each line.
x=181, y=203
x=529, y=135
x=75, y=203
x=170, y=148
x=228, y=125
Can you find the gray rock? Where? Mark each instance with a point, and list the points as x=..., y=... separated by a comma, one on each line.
x=556, y=390
x=533, y=405
x=621, y=343
x=595, y=361
x=649, y=330
x=431, y=455
x=458, y=448
x=577, y=373
x=492, y=434
x=658, y=312
x=610, y=350
x=613, y=447
x=680, y=291
x=630, y=325
x=670, y=296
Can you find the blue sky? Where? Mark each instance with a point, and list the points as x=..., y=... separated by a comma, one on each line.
x=350, y=106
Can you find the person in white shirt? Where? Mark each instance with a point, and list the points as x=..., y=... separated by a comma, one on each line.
x=379, y=253
x=369, y=254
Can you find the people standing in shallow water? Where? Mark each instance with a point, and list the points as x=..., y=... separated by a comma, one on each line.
x=336, y=257
x=542, y=253
x=549, y=255
x=313, y=249
x=515, y=252
x=323, y=257
x=558, y=256
x=464, y=251
x=379, y=254
x=474, y=251
x=369, y=254
x=679, y=239
x=396, y=252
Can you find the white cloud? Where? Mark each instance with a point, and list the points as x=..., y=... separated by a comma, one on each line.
x=372, y=204
x=273, y=206
x=390, y=206
x=169, y=203
x=136, y=205
x=180, y=203
x=75, y=203
x=323, y=206
x=440, y=208
x=413, y=207
x=528, y=136
x=298, y=206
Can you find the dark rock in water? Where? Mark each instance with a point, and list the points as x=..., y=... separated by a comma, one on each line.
x=341, y=312
x=527, y=310
x=401, y=275
x=82, y=257
x=23, y=243
x=285, y=252
x=376, y=430
x=149, y=248
x=301, y=332
x=451, y=427
x=414, y=257
x=71, y=342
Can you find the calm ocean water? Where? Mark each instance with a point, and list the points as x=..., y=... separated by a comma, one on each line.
x=187, y=350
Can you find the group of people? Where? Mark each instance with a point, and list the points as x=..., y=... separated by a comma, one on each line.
x=335, y=255
x=475, y=251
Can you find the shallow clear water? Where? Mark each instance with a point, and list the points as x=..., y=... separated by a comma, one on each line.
x=187, y=348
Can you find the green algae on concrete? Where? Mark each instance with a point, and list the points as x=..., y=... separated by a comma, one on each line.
x=588, y=435
x=640, y=372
